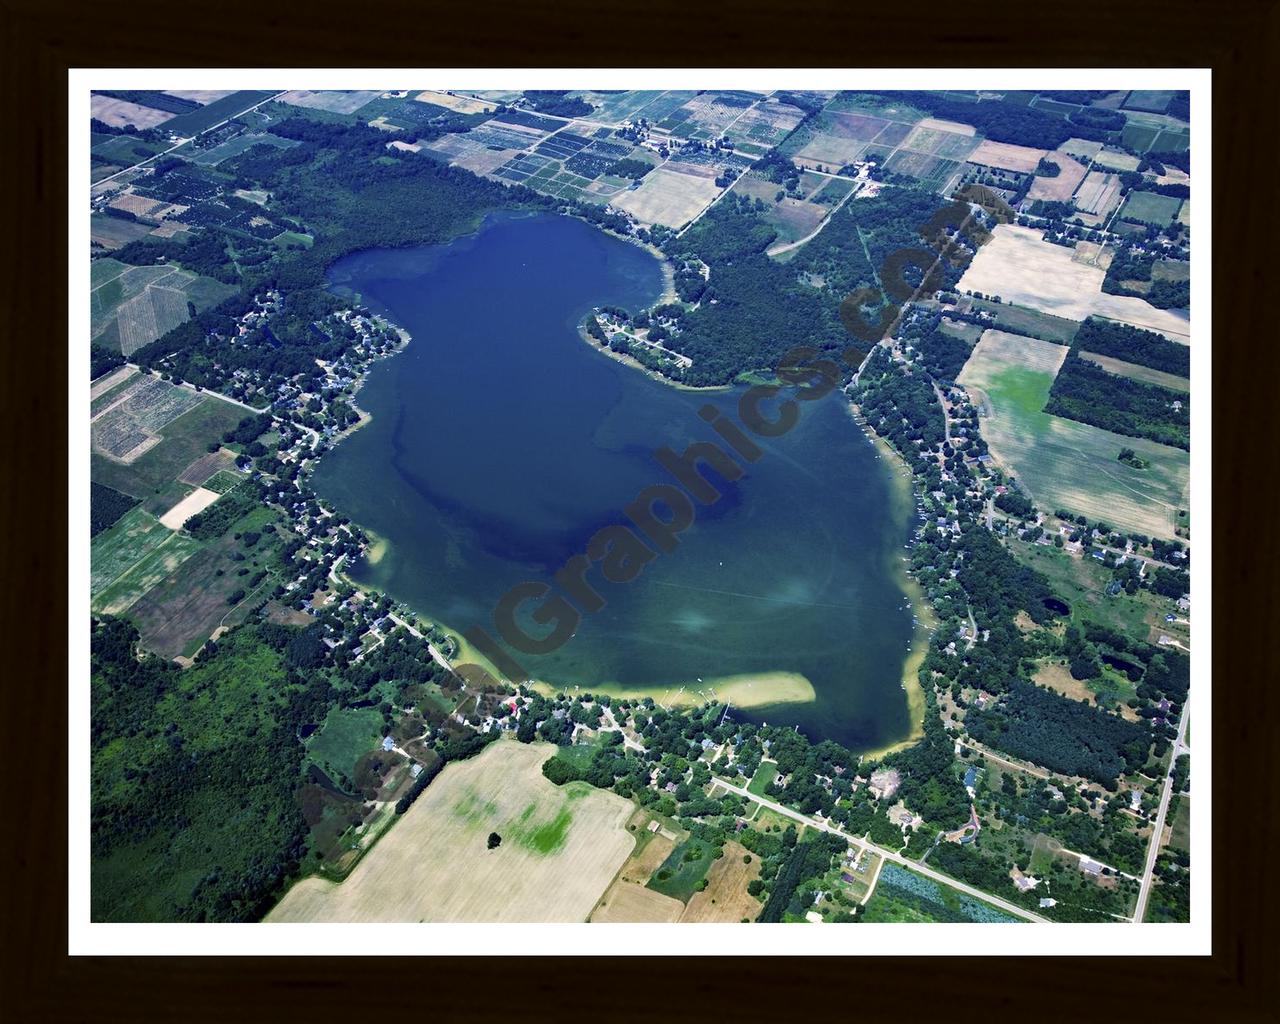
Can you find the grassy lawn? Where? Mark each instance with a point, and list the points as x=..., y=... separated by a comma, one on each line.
x=765, y=774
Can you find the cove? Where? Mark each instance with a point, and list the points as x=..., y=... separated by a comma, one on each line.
x=500, y=442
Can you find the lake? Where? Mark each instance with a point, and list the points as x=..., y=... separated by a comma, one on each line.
x=500, y=442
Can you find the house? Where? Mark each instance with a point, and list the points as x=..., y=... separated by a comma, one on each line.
x=1047, y=901
x=388, y=743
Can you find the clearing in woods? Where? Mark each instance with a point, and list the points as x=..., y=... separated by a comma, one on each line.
x=561, y=847
x=1062, y=463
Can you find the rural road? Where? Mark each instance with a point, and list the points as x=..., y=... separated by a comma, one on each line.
x=898, y=859
x=1153, y=850
x=779, y=250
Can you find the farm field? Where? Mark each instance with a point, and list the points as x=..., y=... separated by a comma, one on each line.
x=1030, y=323
x=561, y=848
x=118, y=113
x=128, y=559
x=1006, y=156
x=1098, y=193
x=668, y=197
x=684, y=869
x=184, y=440
x=131, y=420
x=725, y=898
x=344, y=736
x=113, y=232
x=234, y=147
x=216, y=111
x=130, y=307
x=902, y=896
x=197, y=501
x=1062, y=187
x=1150, y=208
x=1143, y=373
x=178, y=613
x=1062, y=463
x=1019, y=266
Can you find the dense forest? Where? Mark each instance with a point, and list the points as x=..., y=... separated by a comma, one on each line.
x=1085, y=392
x=1064, y=735
x=106, y=506
x=193, y=816
x=1133, y=345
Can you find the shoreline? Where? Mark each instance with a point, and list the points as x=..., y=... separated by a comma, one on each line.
x=903, y=488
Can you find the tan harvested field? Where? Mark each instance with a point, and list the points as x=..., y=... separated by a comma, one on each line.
x=1063, y=187
x=1019, y=266
x=725, y=898
x=1099, y=193
x=1094, y=254
x=633, y=903
x=116, y=376
x=1117, y=160
x=1006, y=156
x=1081, y=149
x=462, y=104
x=201, y=96
x=946, y=126
x=119, y=113
x=197, y=501
x=139, y=206
x=668, y=197
x=1144, y=373
x=334, y=101
x=561, y=848
x=484, y=161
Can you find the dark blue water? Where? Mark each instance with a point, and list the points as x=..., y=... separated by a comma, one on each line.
x=500, y=442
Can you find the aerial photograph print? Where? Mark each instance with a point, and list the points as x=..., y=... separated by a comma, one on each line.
x=763, y=499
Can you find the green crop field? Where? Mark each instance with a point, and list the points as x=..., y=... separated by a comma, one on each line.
x=680, y=874
x=1061, y=463
x=1150, y=208
x=1030, y=323
x=131, y=557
